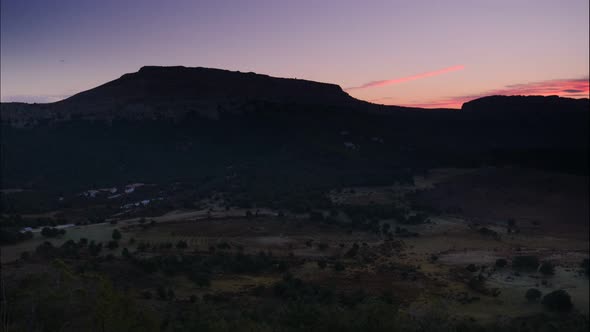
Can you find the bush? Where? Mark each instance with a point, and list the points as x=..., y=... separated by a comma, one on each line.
x=52, y=232
x=25, y=255
x=501, y=262
x=116, y=235
x=525, y=262
x=181, y=244
x=558, y=300
x=338, y=266
x=547, y=268
x=113, y=245
x=586, y=266
x=533, y=294
x=316, y=216
x=323, y=246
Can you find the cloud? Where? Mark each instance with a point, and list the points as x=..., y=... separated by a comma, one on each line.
x=573, y=88
x=406, y=79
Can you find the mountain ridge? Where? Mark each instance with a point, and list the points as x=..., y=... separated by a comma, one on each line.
x=174, y=91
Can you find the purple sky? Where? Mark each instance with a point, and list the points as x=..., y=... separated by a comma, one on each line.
x=416, y=53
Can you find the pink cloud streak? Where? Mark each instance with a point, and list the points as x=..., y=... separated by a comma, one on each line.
x=406, y=79
x=573, y=88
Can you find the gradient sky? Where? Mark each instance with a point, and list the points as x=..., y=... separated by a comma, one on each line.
x=414, y=53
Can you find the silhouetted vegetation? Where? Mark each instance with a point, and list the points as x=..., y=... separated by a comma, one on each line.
x=525, y=262
x=533, y=294
x=558, y=300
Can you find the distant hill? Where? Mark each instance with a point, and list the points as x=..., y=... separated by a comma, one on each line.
x=512, y=104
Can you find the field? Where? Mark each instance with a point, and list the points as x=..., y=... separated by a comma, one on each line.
x=447, y=262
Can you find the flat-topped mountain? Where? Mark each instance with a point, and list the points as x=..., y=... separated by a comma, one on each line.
x=511, y=104
x=160, y=84
x=174, y=91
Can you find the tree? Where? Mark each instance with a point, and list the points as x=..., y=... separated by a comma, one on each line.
x=501, y=262
x=353, y=250
x=533, y=294
x=161, y=291
x=339, y=266
x=25, y=255
x=558, y=300
x=52, y=232
x=181, y=244
x=116, y=235
x=525, y=262
x=585, y=265
x=322, y=264
x=316, y=216
x=547, y=268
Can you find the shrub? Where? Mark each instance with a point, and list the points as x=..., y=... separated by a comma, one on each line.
x=558, y=300
x=161, y=291
x=52, y=232
x=525, y=262
x=586, y=266
x=316, y=216
x=547, y=268
x=322, y=264
x=181, y=244
x=323, y=246
x=533, y=294
x=116, y=235
x=501, y=262
x=338, y=266
x=353, y=250
x=25, y=255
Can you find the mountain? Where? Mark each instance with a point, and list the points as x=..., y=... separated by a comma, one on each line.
x=174, y=91
x=266, y=134
x=517, y=104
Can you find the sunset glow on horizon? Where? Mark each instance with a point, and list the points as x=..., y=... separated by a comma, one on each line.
x=378, y=51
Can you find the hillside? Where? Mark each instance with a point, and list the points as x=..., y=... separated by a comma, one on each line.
x=210, y=122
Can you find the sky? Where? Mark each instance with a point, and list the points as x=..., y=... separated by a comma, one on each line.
x=410, y=53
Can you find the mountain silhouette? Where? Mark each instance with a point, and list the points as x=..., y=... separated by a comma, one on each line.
x=192, y=124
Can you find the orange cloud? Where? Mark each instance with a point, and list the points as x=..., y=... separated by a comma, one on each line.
x=573, y=88
x=405, y=79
